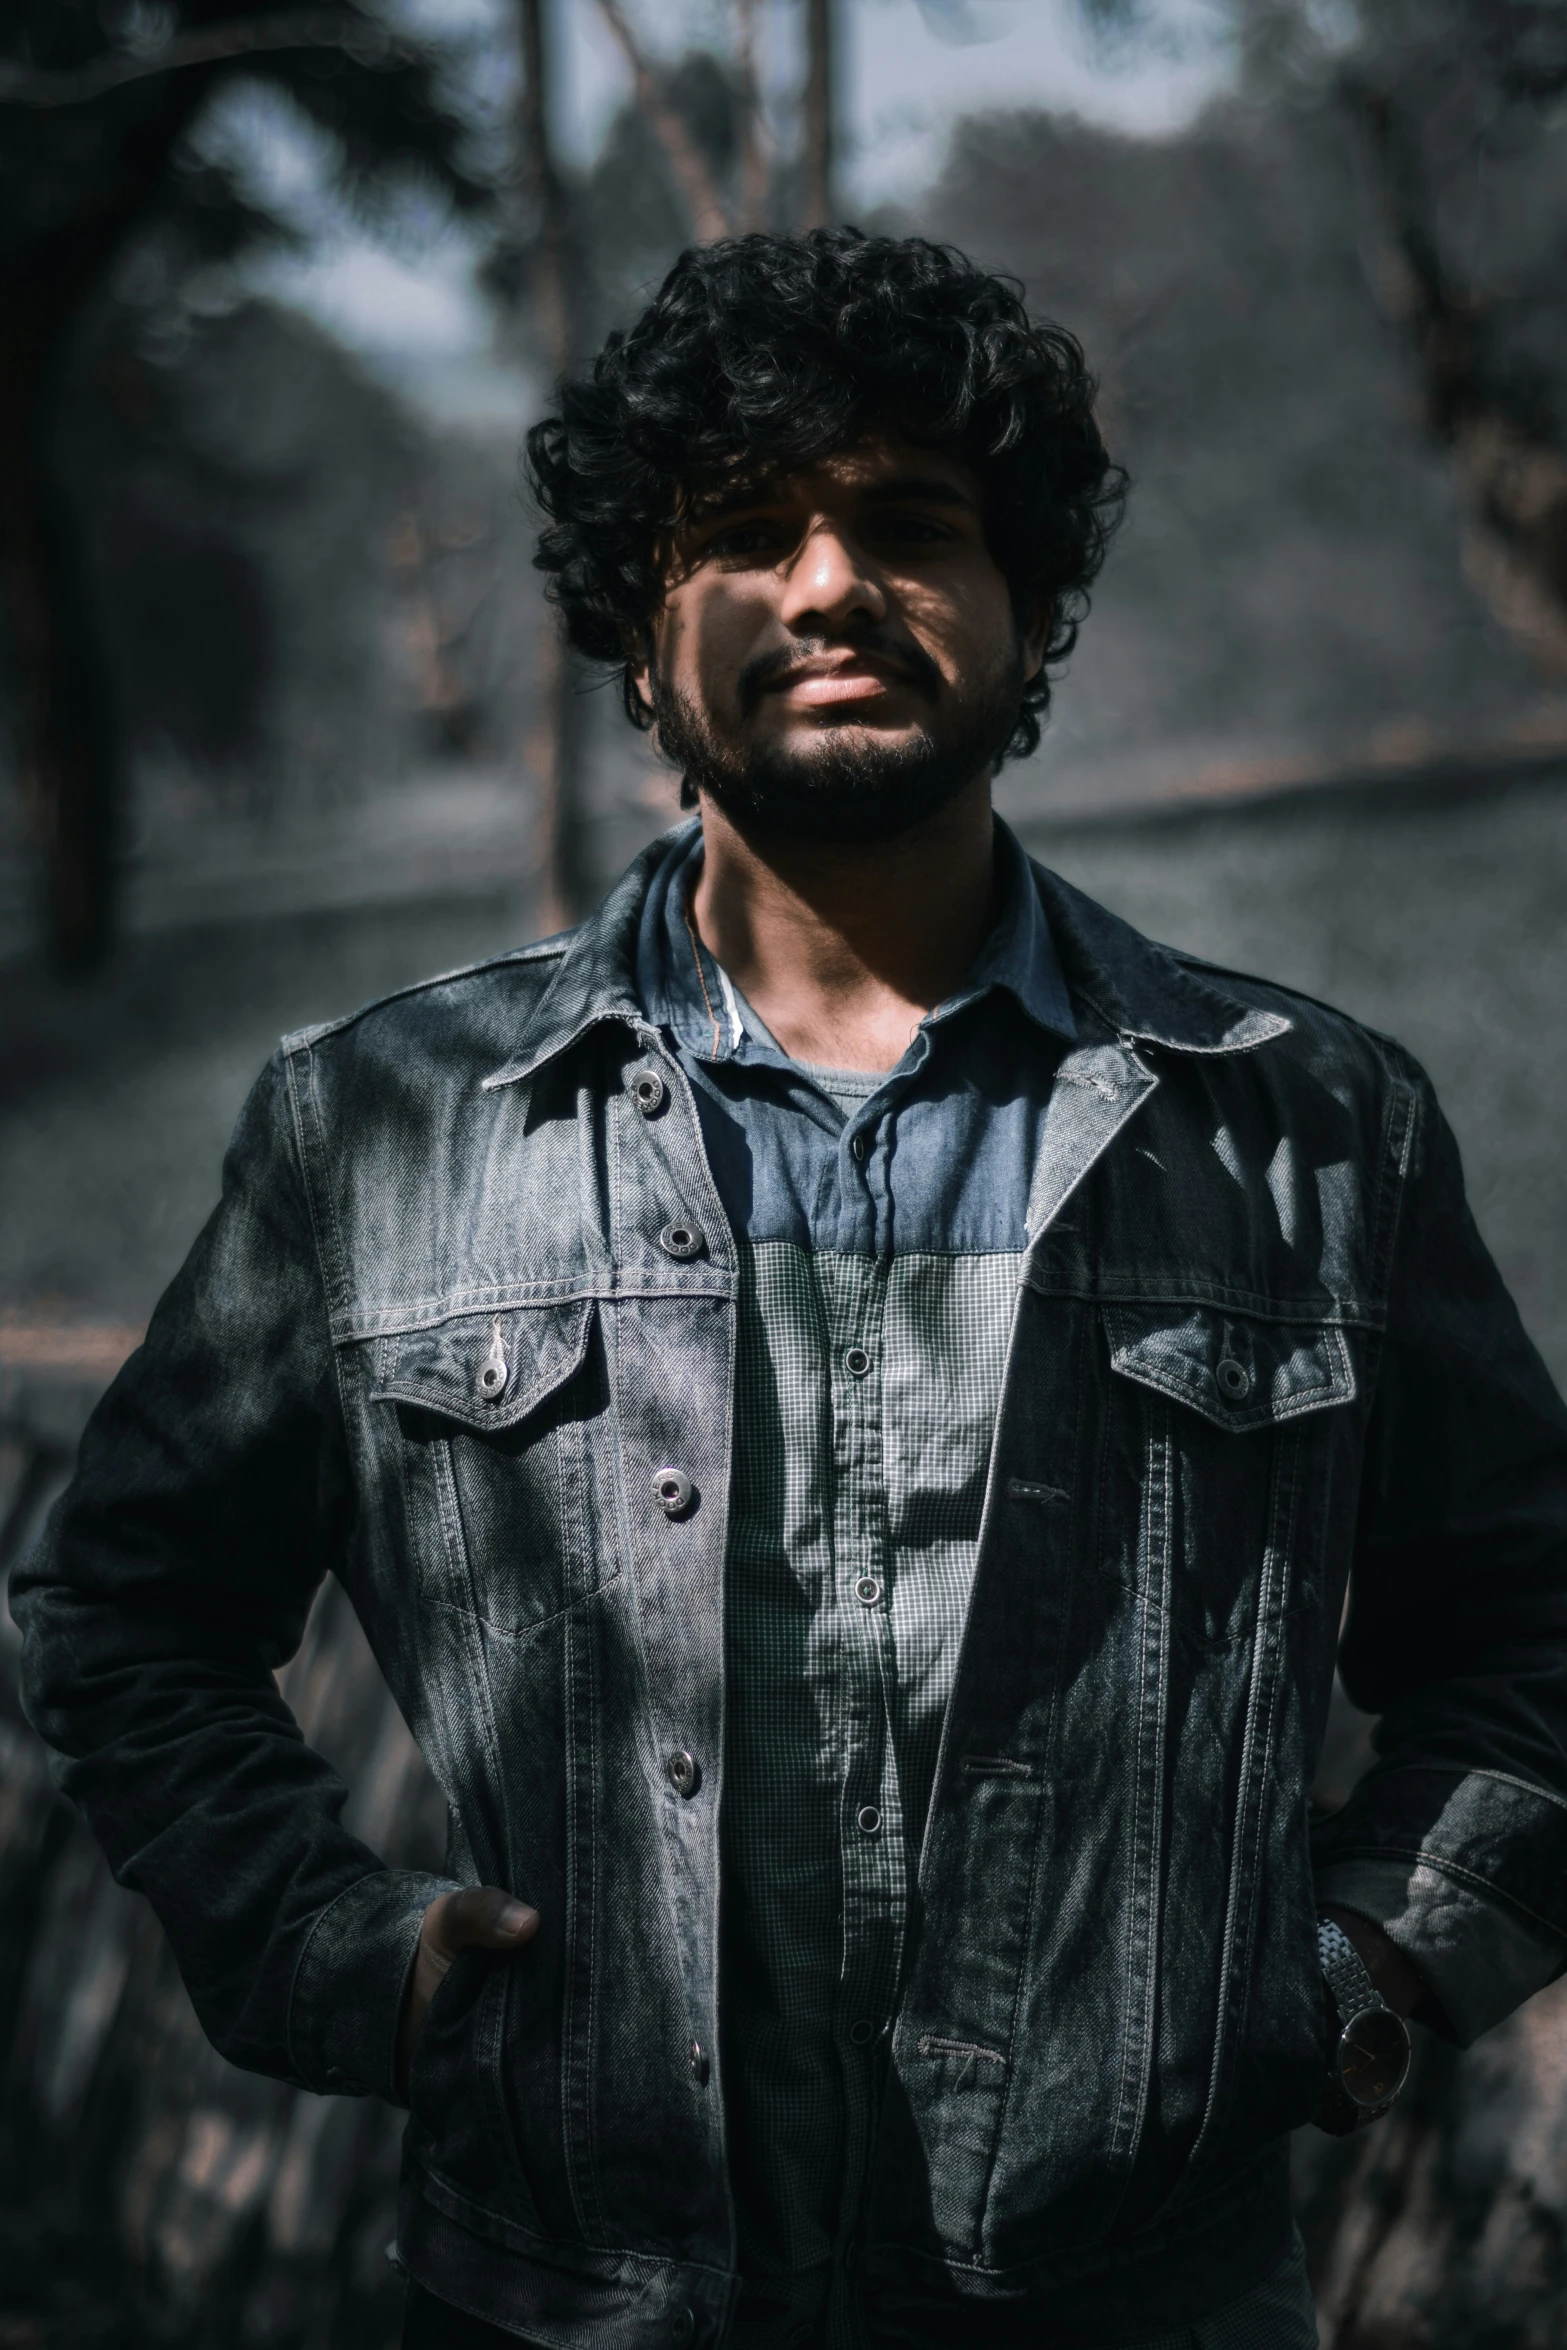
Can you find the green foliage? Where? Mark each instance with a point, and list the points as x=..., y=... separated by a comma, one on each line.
x=128, y=156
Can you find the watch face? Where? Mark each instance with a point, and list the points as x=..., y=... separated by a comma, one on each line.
x=1373, y=2056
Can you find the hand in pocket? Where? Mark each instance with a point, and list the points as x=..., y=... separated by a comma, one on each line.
x=480, y=1917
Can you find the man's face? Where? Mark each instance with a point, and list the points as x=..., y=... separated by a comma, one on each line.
x=837, y=654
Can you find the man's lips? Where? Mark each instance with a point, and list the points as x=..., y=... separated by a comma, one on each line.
x=816, y=687
x=843, y=677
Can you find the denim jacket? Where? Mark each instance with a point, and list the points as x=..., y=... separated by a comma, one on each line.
x=463, y=1309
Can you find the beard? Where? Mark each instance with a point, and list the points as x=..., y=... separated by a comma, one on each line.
x=850, y=785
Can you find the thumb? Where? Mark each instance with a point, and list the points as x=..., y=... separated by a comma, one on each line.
x=482, y=1916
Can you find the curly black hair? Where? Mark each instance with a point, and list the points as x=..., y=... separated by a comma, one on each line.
x=763, y=354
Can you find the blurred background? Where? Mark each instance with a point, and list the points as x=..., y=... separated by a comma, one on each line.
x=283, y=725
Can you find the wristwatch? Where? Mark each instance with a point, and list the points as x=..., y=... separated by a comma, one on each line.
x=1368, y=2048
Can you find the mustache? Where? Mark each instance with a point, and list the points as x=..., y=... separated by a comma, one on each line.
x=908, y=661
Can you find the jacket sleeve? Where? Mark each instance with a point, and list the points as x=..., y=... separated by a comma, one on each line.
x=1455, y=1841
x=212, y=1493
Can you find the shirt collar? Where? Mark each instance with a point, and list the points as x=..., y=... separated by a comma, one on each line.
x=1019, y=954
x=684, y=991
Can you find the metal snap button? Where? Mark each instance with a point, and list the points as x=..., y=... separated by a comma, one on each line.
x=1234, y=1379
x=683, y=1772
x=856, y=1361
x=869, y=1818
x=680, y=1238
x=862, y=2031
x=858, y=1146
x=868, y=1589
x=682, y=2325
x=699, y=2064
x=673, y=1491
x=648, y=1091
x=492, y=1374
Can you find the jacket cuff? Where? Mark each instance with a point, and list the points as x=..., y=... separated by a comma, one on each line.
x=347, y=1997
x=1467, y=1873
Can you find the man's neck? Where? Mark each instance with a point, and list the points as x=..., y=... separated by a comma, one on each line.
x=843, y=947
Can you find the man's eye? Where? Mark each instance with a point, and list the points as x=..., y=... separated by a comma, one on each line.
x=740, y=538
x=909, y=530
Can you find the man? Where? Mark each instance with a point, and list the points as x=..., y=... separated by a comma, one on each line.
x=847, y=1393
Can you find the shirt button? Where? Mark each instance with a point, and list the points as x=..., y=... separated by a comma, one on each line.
x=862, y=2031
x=680, y=1238
x=699, y=2065
x=868, y=1590
x=869, y=1818
x=683, y=1772
x=673, y=1491
x=856, y=1360
x=800, y=2336
x=858, y=1146
x=647, y=1091
x=682, y=2325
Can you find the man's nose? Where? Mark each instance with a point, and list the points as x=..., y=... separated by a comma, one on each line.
x=830, y=580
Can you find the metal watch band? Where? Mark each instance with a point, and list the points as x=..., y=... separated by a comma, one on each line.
x=1380, y=2070
x=1348, y=1977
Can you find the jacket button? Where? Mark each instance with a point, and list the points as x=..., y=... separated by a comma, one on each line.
x=680, y=1238
x=1234, y=1379
x=699, y=2064
x=682, y=2325
x=493, y=1374
x=673, y=1491
x=648, y=1091
x=862, y=2031
x=683, y=1772
x=867, y=1590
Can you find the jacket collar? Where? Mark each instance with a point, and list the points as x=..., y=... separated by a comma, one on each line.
x=1145, y=993
x=595, y=970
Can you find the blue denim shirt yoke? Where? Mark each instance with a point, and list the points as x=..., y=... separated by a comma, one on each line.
x=965, y=1114
x=440, y=1338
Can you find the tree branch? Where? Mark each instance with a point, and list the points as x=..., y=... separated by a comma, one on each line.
x=243, y=36
x=708, y=214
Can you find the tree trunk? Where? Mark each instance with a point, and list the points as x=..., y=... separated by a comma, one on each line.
x=553, y=751
x=754, y=173
x=821, y=159
x=70, y=761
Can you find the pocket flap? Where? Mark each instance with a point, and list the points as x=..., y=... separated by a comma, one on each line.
x=486, y=1370
x=1239, y=1372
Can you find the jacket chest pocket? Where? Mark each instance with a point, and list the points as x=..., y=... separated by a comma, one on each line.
x=494, y=1418
x=1220, y=1448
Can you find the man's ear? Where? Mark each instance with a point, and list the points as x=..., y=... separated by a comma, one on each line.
x=1034, y=631
x=639, y=670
